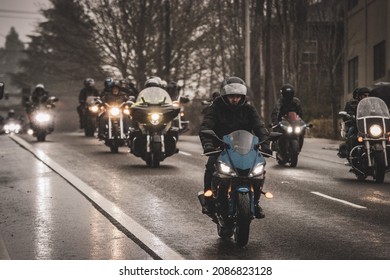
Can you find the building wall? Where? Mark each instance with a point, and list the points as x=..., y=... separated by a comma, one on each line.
x=366, y=26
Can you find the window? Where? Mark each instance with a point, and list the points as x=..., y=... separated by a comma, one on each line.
x=353, y=66
x=352, y=4
x=379, y=60
x=309, y=55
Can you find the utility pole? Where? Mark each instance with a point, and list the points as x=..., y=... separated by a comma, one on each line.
x=247, y=46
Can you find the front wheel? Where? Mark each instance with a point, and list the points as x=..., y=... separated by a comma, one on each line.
x=379, y=167
x=153, y=160
x=294, y=151
x=241, y=233
x=41, y=136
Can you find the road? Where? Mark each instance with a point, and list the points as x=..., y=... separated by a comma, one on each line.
x=319, y=210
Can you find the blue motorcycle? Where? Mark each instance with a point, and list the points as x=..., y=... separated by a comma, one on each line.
x=239, y=177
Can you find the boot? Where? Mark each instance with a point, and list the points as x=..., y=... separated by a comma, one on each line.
x=259, y=212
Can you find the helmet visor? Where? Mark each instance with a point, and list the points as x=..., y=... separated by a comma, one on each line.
x=234, y=89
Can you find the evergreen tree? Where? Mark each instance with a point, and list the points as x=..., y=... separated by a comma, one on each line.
x=12, y=42
x=64, y=48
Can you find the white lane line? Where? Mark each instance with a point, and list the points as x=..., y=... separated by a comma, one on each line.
x=148, y=239
x=339, y=200
x=184, y=153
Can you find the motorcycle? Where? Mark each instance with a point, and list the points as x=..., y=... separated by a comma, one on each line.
x=289, y=145
x=116, y=129
x=181, y=121
x=152, y=137
x=89, y=112
x=239, y=177
x=369, y=155
x=12, y=126
x=42, y=119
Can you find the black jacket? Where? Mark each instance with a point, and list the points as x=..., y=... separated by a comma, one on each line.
x=282, y=108
x=87, y=91
x=223, y=119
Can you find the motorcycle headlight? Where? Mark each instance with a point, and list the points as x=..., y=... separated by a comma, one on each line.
x=155, y=118
x=42, y=117
x=376, y=131
x=258, y=170
x=94, y=109
x=297, y=130
x=289, y=129
x=226, y=169
x=114, y=111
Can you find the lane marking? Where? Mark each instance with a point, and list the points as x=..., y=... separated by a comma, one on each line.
x=184, y=153
x=154, y=245
x=339, y=200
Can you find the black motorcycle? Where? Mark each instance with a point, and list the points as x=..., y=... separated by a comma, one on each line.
x=117, y=127
x=369, y=155
x=152, y=136
x=42, y=118
x=181, y=120
x=289, y=145
x=89, y=113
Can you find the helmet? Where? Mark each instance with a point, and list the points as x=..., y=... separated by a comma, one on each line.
x=359, y=92
x=153, y=82
x=89, y=82
x=287, y=91
x=108, y=83
x=232, y=80
x=11, y=113
x=233, y=86
x=40, y=86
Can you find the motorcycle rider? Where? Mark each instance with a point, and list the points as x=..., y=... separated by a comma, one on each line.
x=228, y=113
x=38, y=96
x=113, y=97
x=128, y=88
x=88, y=90
x=350, y=125
x=153, y=81
x=287, y=102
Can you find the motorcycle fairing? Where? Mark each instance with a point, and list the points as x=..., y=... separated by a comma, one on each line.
x=241, y=152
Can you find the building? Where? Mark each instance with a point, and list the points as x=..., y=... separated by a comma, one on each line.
x=367, y=30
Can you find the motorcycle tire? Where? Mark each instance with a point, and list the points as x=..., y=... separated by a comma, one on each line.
x=114, y=148
x=153, y=160
x=241, y=230
x=379, y=167
x=225, y=232
x=294, y=151
x=89, y=128
x=41, y=136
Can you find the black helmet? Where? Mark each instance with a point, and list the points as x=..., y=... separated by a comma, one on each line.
x=89, y=82
x=108, y=83
x=11, y=113
x=287, y=91
x=359, y=92
x=233, y=86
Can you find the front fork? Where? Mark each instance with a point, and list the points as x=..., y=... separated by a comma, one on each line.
x=110, y=136
x=368, y=149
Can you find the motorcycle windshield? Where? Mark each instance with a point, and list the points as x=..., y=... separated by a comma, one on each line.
x=372, y=107
x=372, y=111
x=241, y=141
x=154, y=95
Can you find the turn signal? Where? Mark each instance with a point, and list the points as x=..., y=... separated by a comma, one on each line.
x=208, y=193
x=360, y=139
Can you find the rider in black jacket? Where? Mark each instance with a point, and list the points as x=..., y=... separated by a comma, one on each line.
x=88, y=90
x=229, y=112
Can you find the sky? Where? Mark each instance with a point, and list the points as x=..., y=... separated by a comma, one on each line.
x=21, y=14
